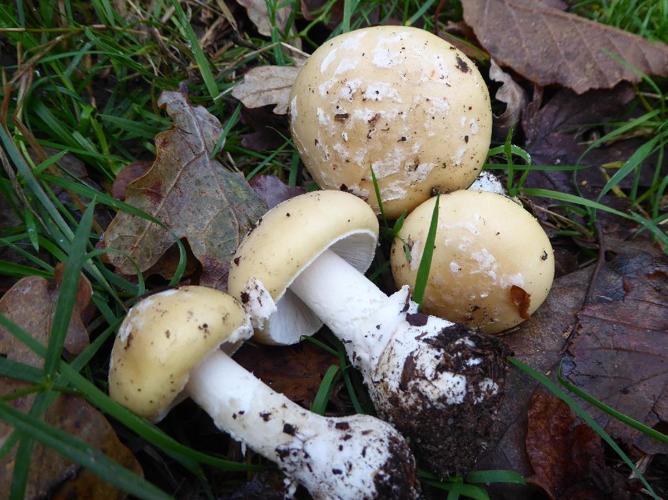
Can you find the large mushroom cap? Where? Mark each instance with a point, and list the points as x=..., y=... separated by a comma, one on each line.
x=396, y=99
x=163, y=337
x=285, y=241
x=492, y=264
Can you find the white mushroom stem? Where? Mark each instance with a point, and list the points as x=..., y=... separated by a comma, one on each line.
x=356, y=310
x=345, y=457
x=247, y=409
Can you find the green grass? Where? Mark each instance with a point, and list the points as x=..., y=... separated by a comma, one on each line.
x=647, y=18
x=80, y=80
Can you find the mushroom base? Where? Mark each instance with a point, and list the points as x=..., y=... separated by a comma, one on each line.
x=444, y=394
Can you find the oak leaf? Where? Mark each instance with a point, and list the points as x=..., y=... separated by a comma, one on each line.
x=549, y=46
x=191, y=193
x=259, y=15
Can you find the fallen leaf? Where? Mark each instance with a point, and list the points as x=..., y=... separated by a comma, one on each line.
x=130, y=173
x=267, y=85
x=512, y=95
x=259, y=16
x=567, y=458
x=557, y=133
x=30, y=303
x=273, y=190
x=538, y=342
x=620, y=350
x=191, y=193
x=295, y=370
x=549, y=46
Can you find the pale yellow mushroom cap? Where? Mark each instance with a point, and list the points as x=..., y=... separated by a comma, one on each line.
x=398, y=99
x=489, y=253
x=163, y=337
x=286, y=240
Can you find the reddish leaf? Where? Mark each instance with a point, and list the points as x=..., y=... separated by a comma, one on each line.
x=620, y=351
x=548, y=46
x=191, y=193
x=273, y=190
x=295, y=371
x=270, y=130
x=567, y=459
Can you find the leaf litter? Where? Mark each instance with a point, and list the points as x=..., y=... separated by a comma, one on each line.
x=30, y=303
x=548, y=46
x=191, y=193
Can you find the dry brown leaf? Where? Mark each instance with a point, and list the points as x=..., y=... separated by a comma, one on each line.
x=30, y=303
x=295, y=370
x=267, y=85
x=549, y=46
x=511, y=94
x=191, y=193
x=620, y=351
x=258, y=14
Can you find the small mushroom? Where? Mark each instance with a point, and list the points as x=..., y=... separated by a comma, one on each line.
x=492, y=264
x=169, y=347
x=437, y=383
x=395, y=99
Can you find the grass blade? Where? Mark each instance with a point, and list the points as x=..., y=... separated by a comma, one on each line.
x=319, y=404
x=425, y=260
x=68, y=291
x=580, y=412
x=82, y=453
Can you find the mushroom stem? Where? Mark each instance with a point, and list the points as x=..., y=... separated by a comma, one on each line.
x=342, y=297
x=333, y=457
x=249, y=410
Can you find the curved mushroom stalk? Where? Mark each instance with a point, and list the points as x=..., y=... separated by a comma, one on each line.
x=346, y=457
x=438, y=383
x=168, y=348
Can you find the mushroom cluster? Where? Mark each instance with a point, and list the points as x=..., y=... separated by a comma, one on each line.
x=176, y=343
x=396, y=100
x=438, y=384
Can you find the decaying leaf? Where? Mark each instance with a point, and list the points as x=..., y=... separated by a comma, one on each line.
x=557, y=132
x=567, y=458
x=538, y=342
x=129, y=173
x=258, y=14
x=620, y=351
x=267, y=85
x=273, y=190
x=189, y=192
x=549, y=46
x=30, y=303
x=295, y=371
x=511, y=94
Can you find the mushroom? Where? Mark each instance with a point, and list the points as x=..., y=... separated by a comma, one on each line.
x=492, y=264
x=438, y=384
x=169, y=347
x=395, y=99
